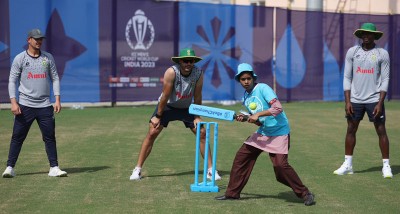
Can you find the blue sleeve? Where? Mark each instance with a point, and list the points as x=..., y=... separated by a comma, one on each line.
x=267, y=93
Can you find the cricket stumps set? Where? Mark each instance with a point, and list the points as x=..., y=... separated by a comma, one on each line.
x=216, y=113
x=205, y=186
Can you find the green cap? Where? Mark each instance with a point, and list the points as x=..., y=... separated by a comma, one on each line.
x=186, y=53
x=368, y=27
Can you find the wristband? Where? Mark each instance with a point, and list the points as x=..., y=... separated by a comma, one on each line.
x=158, y=116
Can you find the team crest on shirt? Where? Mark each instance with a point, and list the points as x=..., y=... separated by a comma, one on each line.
x=45, y=62
x=373, y=57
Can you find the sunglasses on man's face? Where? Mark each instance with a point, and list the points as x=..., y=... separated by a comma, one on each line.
x=188, y=61
x=37, y=39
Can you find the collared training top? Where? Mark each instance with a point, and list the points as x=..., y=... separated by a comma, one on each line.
x=34, y=76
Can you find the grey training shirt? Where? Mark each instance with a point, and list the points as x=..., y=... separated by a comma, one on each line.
x=366, y=74
x=34, y=75
x=184, y=87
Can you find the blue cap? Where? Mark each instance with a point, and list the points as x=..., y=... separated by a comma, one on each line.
x=244, y=67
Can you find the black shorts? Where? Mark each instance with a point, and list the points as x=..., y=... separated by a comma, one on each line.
x=360, y=109
x=172, y=114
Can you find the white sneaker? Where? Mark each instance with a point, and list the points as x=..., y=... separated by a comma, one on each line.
x=136, y=174
x=9, y=172
x=57, y=172
x=344, y=169
x=209, y=175
x=386, y=172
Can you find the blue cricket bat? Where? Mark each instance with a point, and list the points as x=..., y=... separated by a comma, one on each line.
x=216, y=113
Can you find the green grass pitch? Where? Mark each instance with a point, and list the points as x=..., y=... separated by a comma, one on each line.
x=98, y=147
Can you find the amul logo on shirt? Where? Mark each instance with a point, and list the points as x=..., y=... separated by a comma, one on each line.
x=36, y=76
x=365, y=71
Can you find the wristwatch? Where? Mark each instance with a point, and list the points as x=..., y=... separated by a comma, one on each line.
x=158, y=116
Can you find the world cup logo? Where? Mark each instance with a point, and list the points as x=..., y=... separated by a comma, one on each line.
x=143, y=31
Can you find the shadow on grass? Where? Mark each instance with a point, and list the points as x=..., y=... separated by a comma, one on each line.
x=85, y=169
x=72, y=170
x=395, y=169
x=191, y=172
x=32, y=173
x=287, y=196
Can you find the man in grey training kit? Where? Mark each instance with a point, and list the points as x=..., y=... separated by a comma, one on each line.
x=365, y=84
x=32, y=71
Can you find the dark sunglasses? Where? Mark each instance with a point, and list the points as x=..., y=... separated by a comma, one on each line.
x=37, y=39
x=188, y=61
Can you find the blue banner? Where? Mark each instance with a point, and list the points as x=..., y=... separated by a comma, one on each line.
x=4, y=51
x=118, y=50
x=221, y=35
x=72, y=39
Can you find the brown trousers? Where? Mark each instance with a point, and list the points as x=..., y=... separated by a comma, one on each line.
x=243, y=165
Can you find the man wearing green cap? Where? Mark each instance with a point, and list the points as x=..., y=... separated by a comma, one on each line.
x=183, y=83
x=365, y=84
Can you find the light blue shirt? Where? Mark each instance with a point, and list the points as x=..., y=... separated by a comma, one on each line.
x=262, y=95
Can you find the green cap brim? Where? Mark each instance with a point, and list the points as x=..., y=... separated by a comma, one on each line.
x=378, y=34
x=177, y=58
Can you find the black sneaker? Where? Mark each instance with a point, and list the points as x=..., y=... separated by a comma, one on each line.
x=309, y=199
x=224, y=197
